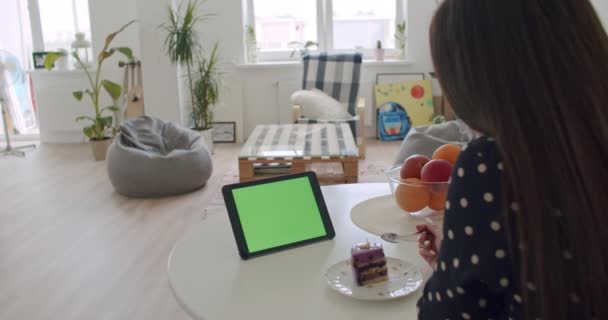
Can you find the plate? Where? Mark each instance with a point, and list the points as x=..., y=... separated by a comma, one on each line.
x=381, y=214
x=403, y=279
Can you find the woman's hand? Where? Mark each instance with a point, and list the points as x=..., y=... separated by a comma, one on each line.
x=429, y=243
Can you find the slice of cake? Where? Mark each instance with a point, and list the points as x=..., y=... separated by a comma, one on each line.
x=368, y=263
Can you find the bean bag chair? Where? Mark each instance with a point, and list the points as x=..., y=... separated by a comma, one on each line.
x=425, y=140
x=154, y=158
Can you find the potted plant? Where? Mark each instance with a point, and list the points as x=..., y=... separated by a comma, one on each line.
x=379, y=52
x=182, y=44
x=251, y=43
x=302, y=47
x=401, y=39
x=100, y=131
x=206, y=93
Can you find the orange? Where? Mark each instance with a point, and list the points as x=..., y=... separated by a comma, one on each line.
x=437, y=202
x=412, y=196
x=447, y=152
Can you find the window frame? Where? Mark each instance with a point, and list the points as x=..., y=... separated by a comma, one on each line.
x=36, y=24
x=324, y=32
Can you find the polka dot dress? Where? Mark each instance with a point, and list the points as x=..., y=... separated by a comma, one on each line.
x=474, y=278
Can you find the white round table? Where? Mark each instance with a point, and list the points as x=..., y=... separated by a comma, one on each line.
x=211, y=282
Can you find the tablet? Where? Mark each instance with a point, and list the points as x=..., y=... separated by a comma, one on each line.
x=277, y=214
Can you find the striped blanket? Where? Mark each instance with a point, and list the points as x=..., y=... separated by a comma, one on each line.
x=318, y=140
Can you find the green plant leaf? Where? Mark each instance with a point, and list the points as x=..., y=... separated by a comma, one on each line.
x=78, y=95
x=112, y=35
x=310, y=44
x=126, y=51
x=88, y=132
x=113, y=89
x=106, y=122
x=50, y=59
x=112, y=108
x=84, y=118
x=105, y=54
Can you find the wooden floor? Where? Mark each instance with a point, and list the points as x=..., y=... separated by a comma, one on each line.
x=71, y=248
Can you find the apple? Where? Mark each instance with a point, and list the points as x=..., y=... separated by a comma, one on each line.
x=436, y=171
x=412, y=166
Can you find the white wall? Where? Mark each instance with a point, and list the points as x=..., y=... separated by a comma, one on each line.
x=251, y=96
x=601, y=6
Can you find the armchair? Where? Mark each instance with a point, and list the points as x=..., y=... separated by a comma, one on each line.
x=337, y=75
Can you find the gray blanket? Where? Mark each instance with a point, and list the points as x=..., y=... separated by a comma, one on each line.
x=156, y=136
x=425, y=140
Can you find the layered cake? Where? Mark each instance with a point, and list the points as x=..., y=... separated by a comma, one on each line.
x=368, y=263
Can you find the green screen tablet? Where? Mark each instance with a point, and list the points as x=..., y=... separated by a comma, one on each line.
x=277, y=214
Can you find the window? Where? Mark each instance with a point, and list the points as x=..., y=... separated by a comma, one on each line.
x=57, y=22
x=360, y=23
x=278, y=23
x=336, y=25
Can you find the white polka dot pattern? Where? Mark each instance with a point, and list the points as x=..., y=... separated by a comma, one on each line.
x=517, y=298
x=449, y=293
x=474, y=247
x=504, y=282
x=460, y=172
x=464, y=202
x=488, y=197
x=483, y=303
x=495, y=225
x=468, y=230
x=475, y=259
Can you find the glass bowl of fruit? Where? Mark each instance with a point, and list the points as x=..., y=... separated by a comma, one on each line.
x=420, y=185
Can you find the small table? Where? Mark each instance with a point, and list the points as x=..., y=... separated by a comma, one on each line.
x=210, y=281
x=294, y=146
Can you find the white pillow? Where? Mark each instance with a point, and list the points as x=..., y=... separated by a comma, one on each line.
x=317, y=105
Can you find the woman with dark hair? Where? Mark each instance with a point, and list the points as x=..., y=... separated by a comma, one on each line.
x=524, y=235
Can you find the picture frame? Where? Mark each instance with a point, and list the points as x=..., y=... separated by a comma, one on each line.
x=224, y=132
x=391, y=78
x=38, y=58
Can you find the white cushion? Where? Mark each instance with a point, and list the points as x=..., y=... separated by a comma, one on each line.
x=317, y=105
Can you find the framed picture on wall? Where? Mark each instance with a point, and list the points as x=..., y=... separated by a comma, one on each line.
x=224, y=132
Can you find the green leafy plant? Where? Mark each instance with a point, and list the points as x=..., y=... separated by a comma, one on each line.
x=437, y=118
x=206, y=90
x=251, y=43
x=302, y=47
x=101, y=123
x=400, y=35
x=182, y=42
x=378, y=44
x=250, y=34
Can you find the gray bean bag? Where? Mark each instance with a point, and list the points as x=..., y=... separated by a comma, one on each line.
x=154, y=158
x=425, y=140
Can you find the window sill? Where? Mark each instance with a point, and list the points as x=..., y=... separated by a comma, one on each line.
x=290, y=64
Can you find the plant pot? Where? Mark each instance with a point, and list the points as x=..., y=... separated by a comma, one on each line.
x=207, y=136
x=379, y=54
x=100, y=148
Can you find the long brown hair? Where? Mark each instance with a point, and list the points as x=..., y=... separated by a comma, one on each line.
x=533, y=74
